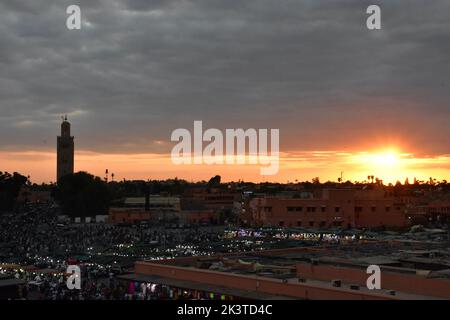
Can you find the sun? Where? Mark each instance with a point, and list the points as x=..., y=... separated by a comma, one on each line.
x=385, y=159
x=389, y=159
x=388, y=164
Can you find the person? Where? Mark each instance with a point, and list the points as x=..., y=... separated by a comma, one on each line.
x=131, y=288
x=143, y=288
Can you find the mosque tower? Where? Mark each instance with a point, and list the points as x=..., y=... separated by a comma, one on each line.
x=65, y=151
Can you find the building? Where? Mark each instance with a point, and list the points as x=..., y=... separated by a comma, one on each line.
x=137, y=209
x=155, y=202
x=210, y=205
x=119, y=215
x=346, y=208
x=409, y=271
x=435, y=211
x=209, y=198
x=159, y=209
x=184, y=217
x=33, y=196
x=65, y=151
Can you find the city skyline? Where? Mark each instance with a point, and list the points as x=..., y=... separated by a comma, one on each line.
x=388, y=165
x=211, y=153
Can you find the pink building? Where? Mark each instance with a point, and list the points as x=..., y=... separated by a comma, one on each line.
x=334, y=208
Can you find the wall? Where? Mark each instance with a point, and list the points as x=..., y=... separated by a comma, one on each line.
x=338, y=208
x=389, y=280
x=252, y=283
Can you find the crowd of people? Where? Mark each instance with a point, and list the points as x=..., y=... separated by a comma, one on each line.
x=53, y=286
x=33, y=235
x=34, y=231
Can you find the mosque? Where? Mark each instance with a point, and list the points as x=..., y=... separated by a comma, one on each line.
x=65, y=151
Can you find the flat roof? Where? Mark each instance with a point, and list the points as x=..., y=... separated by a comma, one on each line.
x=10, y=282
x=185, y=284
x=395, y=256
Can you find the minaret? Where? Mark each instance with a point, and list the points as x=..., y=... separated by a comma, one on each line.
x=65, y=151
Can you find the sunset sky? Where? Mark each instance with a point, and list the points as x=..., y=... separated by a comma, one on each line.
x=344, y=98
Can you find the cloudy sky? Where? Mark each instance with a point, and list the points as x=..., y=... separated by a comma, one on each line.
x=138, y=69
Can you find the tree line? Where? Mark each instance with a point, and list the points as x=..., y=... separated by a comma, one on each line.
x=83, y=194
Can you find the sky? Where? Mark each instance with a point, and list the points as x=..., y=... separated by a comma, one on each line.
x=345, y=98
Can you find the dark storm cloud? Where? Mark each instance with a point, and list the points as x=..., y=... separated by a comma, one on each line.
x=139, y=69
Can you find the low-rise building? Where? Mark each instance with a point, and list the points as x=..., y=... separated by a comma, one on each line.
x=408, y=271
x=334, y=208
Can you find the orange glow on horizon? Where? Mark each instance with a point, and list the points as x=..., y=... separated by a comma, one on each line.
x=389, y=165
